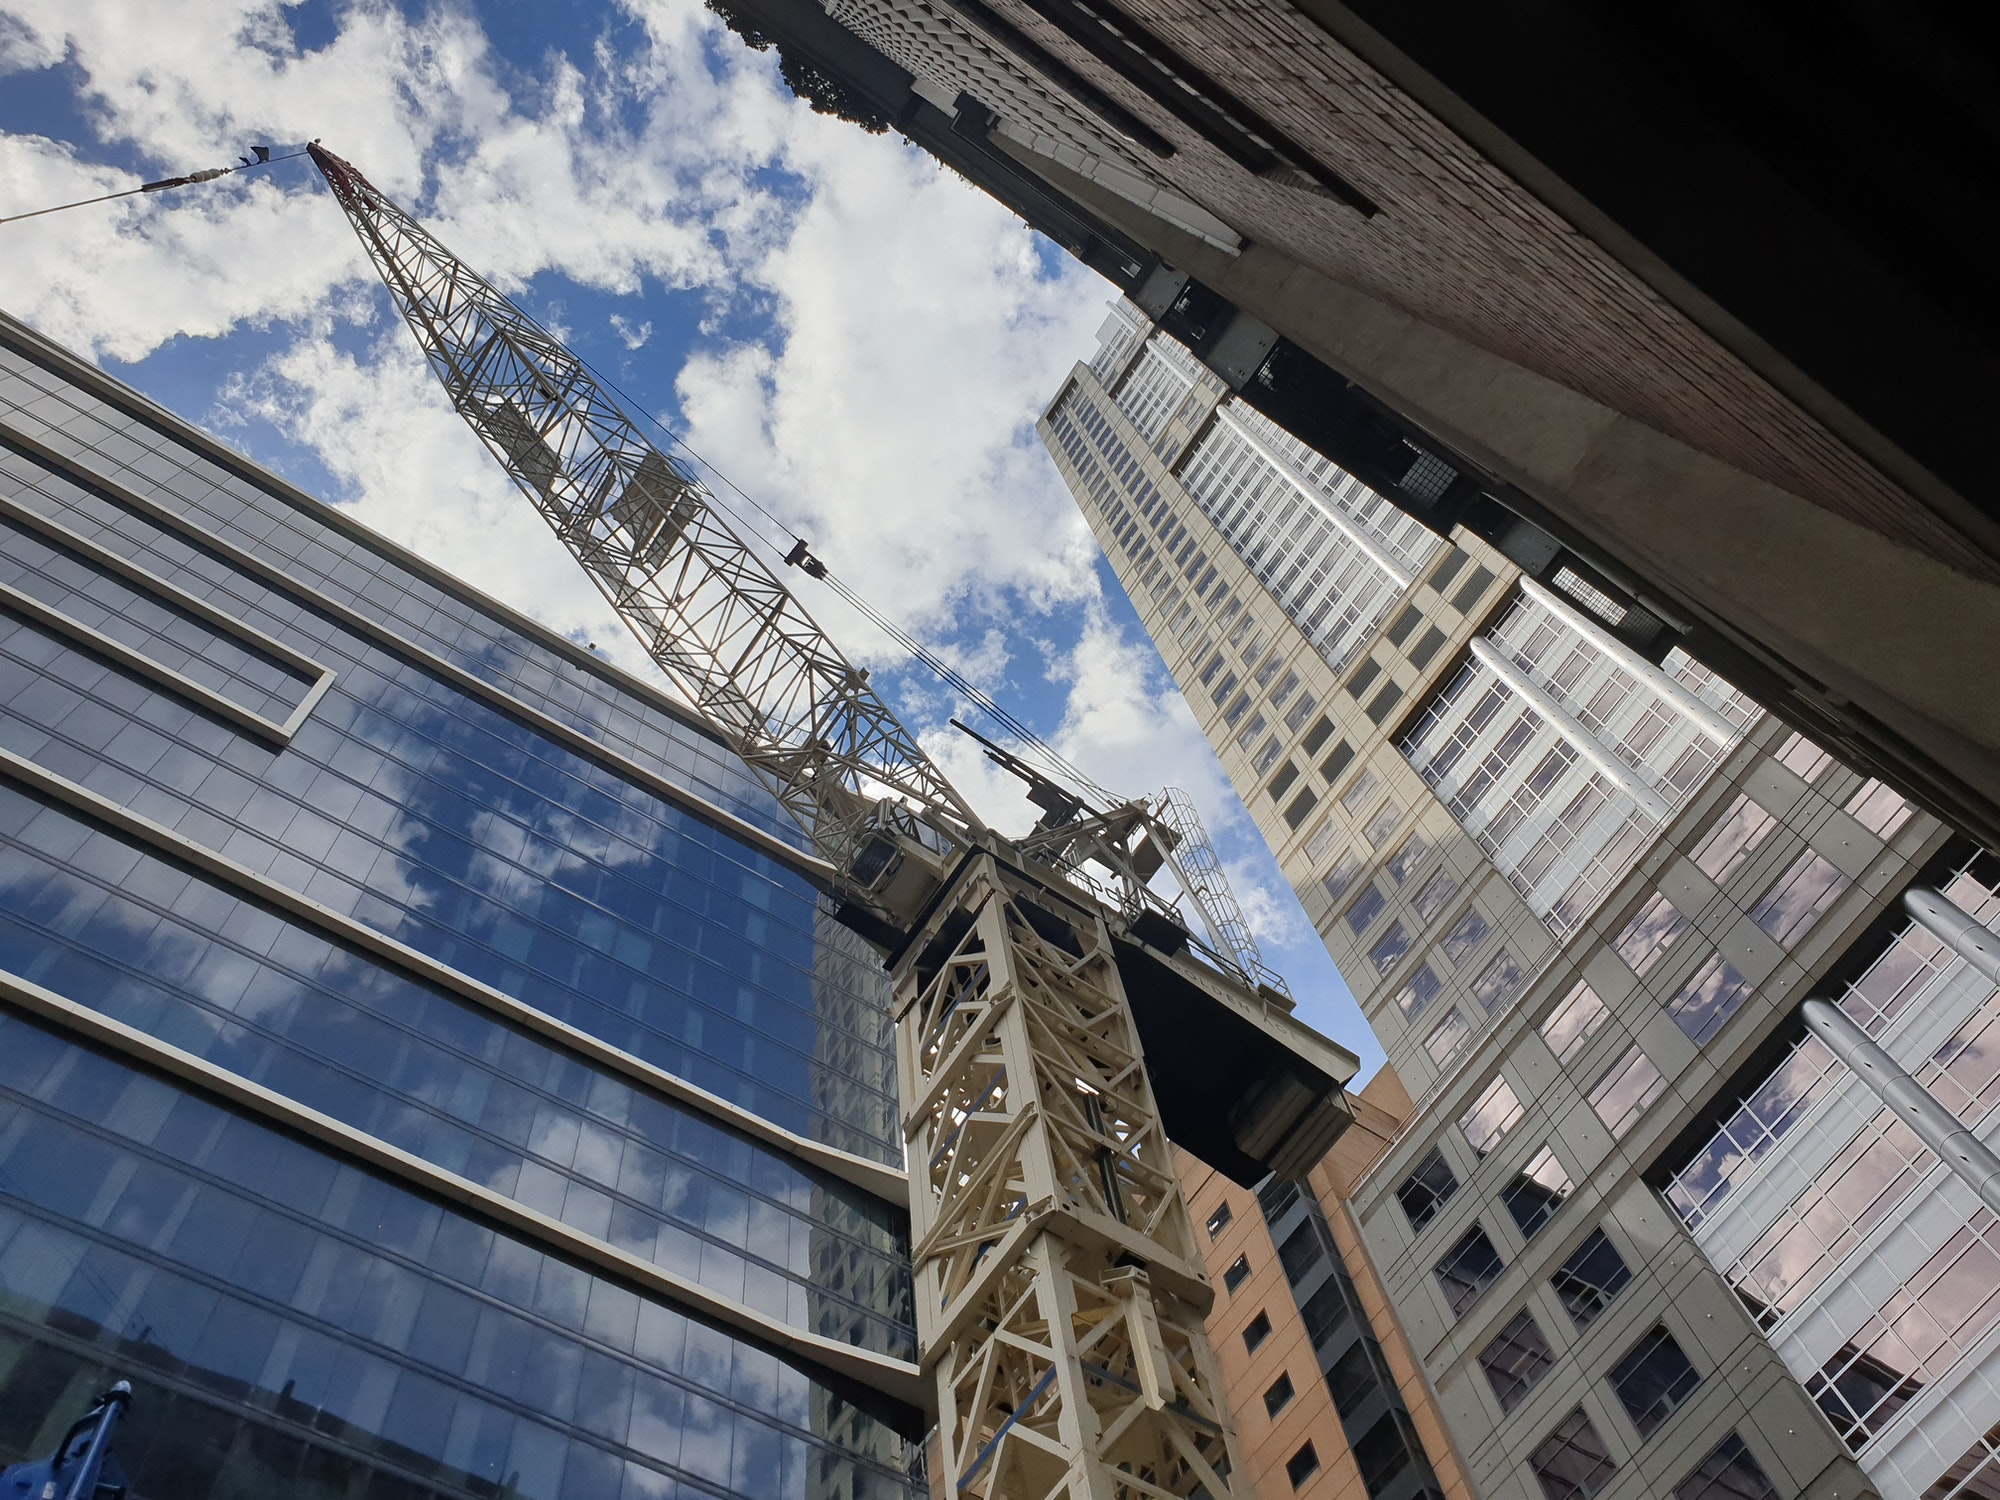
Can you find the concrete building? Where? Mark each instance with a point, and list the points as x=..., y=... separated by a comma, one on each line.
x=1605, y=267
x=1582, y=895
x=423, y=1071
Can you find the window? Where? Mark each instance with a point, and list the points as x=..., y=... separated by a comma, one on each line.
x=1407, y=858
x=1300, y=712
x=1366, y=908
x=1321, y=731
x=1623, y=1094
x=1392, y=946
x=1363, y=678
x=1301, y=1253
x=1282, y=782
x=1407, y=621
x=1469, y=592
x=1435, y=895
x=1325, y=1312
x=1337, y=760
x=1279, y=1396
x=1234, y=1276
x=1709, y=998
x=1730, y=1473
x=1384, y=703
x=1499, y=982
x=1447, y=569
x=1466, y=934
x=1653, y=1381
x=1495, y=1112
x=1426, y=647
x=1798, y=897
x=1590, y=1278
x=1443, y=1044
x=1468, y=1269
x=1649, y=935
x=1517, y=1358
x=1574, y=1022
x=1219, y=1220
x=1879, y=809
x=1572, y=1462
x=1356, y=796
x=1248, y=737
x=1419, y=992
x=1301, y=806
x=1733, y=840
x=1336, y=881
x=1427, y=1189
x=1382, y=1452
x=1801, y=756
x=1387, y=816
x=1256, y=1331
x=1536, y=1192
x=1355, y=1376
x=1302, y=1465
x=1267, y=757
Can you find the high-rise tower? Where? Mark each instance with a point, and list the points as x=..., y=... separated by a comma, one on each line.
x=1652, y=1222
x=425, y=1068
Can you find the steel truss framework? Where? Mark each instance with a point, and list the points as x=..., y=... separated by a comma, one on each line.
x=1061, y=1295
x=1059, y=1292
x=708, y=610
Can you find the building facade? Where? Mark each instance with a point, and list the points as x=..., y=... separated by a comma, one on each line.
x=1620, y=333
x=1582, y=895
x=425, y=1069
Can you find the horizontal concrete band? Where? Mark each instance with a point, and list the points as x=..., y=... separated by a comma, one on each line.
x=807, y=865
x=893, y=1377
x=883, y=1181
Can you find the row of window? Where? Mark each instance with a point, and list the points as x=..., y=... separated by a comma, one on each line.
x=352, y=572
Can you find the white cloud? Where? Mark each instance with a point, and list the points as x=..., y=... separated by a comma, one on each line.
x=631, y=335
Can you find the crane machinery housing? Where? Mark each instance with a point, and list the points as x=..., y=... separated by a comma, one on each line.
x=1056, y=1027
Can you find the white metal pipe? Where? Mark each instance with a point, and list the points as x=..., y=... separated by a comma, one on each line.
x=1691, y=708
x=1937, y=1127
x=1587, y=744
x=1297, y=479
x=1956, y=928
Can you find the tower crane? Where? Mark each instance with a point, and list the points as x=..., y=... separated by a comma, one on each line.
x=1053, y=1020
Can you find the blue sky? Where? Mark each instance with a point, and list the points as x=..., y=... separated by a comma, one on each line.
x=856, y=337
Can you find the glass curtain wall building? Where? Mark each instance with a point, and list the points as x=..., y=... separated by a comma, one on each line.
x=426, y=1068
x=1582, y=896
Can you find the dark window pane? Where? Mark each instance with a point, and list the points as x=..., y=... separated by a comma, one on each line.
x=1652, y=1380
x=1301, y=1251
x=1302, y=1465
x=1468, y=1269
x=1381, y=1453
x=1427, y=1189
x=1590, y=1278
x=1572, y=1462
x=1355, y=1376
x=1731, y=1472
x=1219, y=1220
x=1257, y=1330
x=1279, y=1396
x=1325, y=1310
x=1517, y=1358
x=1233, y=1277
x=1536, y=1192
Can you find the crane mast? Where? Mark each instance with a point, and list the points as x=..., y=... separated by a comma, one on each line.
x=1060, y=1293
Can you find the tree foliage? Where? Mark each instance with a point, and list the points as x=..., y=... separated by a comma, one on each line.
x=826, y=94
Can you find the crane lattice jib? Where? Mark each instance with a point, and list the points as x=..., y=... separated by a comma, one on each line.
x=707, y=609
